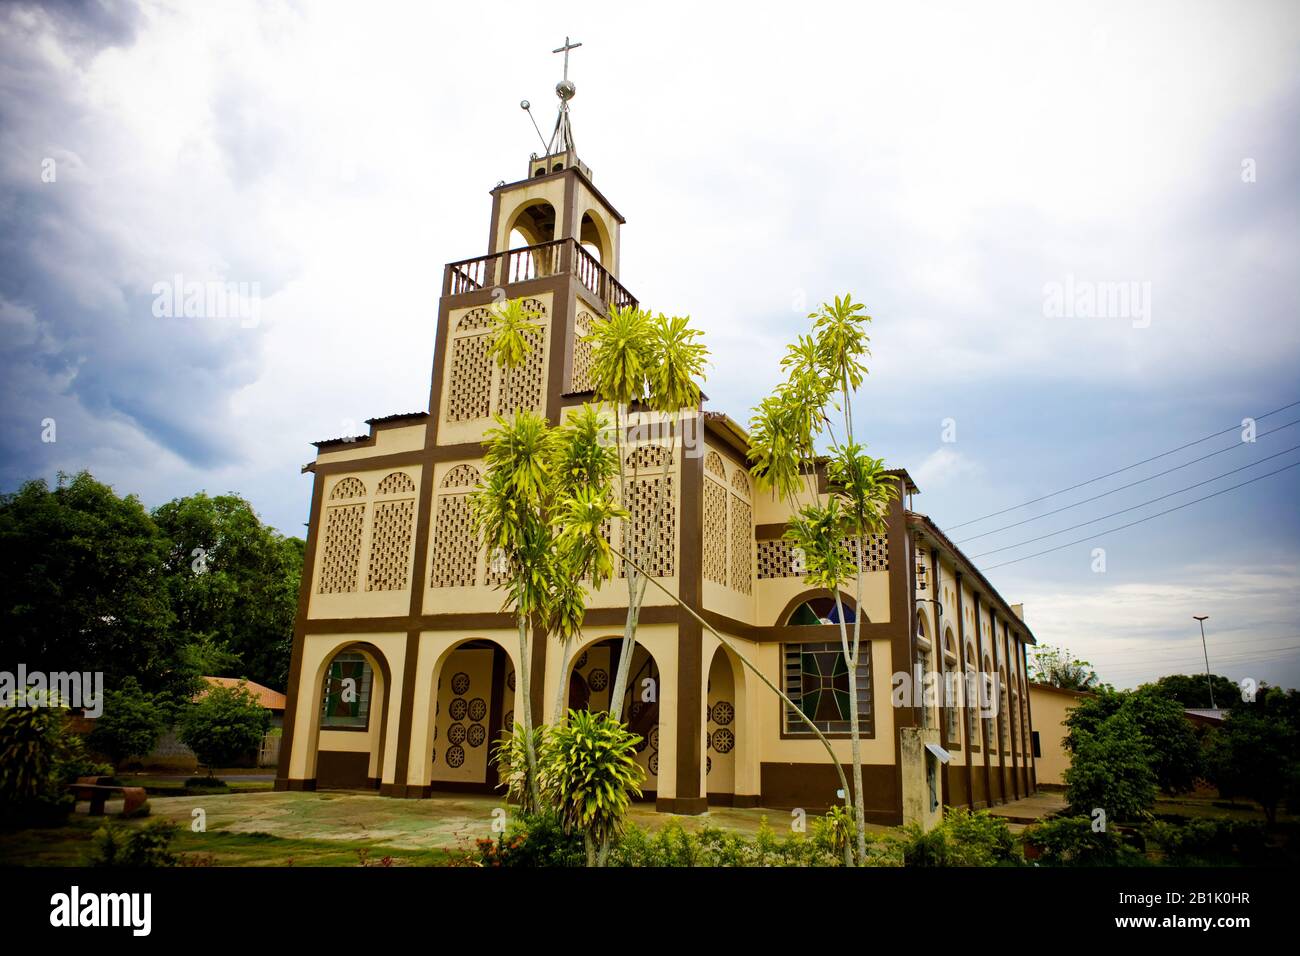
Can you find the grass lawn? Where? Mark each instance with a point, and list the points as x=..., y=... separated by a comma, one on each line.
x=323, y=829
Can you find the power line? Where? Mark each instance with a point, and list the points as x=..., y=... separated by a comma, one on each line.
x=1143, y=520
x=1159, y=474
x=1143, y=504
x=1109, y=474
x=1267, y=657
x=1243, y=652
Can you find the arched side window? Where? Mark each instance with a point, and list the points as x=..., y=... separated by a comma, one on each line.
x=951, y=671
x=345, y=697
x=821, y=610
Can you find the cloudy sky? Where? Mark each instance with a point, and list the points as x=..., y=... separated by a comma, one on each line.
x=973, y=173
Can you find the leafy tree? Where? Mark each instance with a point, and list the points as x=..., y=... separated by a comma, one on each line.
x=1175, y=753
x=223, y=725
x=131, y=723
x=233, y=585
x=1191, y=690
x=590, y=771
x=815, y=404
x=1111, y=769
x=80, y=585
x=1057, y=667
x=1256, y=751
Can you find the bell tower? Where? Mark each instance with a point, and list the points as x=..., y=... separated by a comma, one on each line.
x=553, y=240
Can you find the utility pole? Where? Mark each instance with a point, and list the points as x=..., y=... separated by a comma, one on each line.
x=1202, y=619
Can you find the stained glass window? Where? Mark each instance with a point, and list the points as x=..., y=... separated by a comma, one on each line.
x=345, y=698
x=821, y=610
x=817, y=680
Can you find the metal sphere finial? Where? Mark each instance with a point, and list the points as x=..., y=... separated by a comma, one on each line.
x=524, y=104
x=565, y=90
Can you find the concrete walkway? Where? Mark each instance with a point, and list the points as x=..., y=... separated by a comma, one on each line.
x=1029, y=810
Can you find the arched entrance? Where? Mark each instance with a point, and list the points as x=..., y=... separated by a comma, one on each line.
x=723, y=735
x=351, y=715
x=591, y=681
x=473, y=700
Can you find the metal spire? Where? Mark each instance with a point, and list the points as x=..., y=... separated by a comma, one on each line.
x=562, y=137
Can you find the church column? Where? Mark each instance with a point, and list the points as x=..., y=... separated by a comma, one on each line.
x=964, y=718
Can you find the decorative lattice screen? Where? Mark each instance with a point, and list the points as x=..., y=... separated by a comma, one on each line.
x=776, y=558
x=713, y=465
x=469, y=392
x=390, y=545
x=581, y=379
x=476, y=388
x=342, y=552
x=742, y=544
x=715, y=532
x=395, y=484
x=348, y=488
x=454, y=547
x=455, y=552
x=521, y=386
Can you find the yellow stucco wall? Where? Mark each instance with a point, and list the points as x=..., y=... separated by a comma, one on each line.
x=1050, y=707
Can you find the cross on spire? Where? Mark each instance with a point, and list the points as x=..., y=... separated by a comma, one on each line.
x=565, y=50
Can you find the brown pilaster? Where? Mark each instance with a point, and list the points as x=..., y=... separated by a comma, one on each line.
x=690, y=636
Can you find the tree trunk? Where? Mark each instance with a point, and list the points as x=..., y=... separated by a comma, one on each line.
x=525, y=696
x=561, y=694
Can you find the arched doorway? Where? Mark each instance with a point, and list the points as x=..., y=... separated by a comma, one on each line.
x=351, y=716
x=473, y=700
x=722, y=731
x=591, y=681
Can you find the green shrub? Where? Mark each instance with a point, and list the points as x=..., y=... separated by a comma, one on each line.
x=532, y=840
x=674, y=846
x=198, y=786
x=1111, y=768
x=39, y=757
x=963, y=838
x=223, y=725
x=1072, y=841
x=122, y=846
x=1209, y=842
x=131, y=723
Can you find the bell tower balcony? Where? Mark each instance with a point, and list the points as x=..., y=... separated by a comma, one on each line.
x=557, y=257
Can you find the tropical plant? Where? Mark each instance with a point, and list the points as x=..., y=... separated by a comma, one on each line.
x=1075, y=841
x=813, y=404
x=513, y=769
x=643, y=364
x=34, y=746
x=590, y=772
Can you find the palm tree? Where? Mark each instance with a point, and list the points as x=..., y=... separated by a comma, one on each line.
x=654, y=363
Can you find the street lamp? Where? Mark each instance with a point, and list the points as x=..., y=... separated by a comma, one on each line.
x=1202, y=618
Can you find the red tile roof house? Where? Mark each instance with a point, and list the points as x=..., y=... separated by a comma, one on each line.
x=171, y=754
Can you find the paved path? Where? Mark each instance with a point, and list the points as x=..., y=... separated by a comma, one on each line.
x=1031, y=809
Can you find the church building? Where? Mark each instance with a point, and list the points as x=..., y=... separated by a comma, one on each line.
x=404, y=664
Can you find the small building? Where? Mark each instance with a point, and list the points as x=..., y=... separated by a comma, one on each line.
x=1052, y=705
